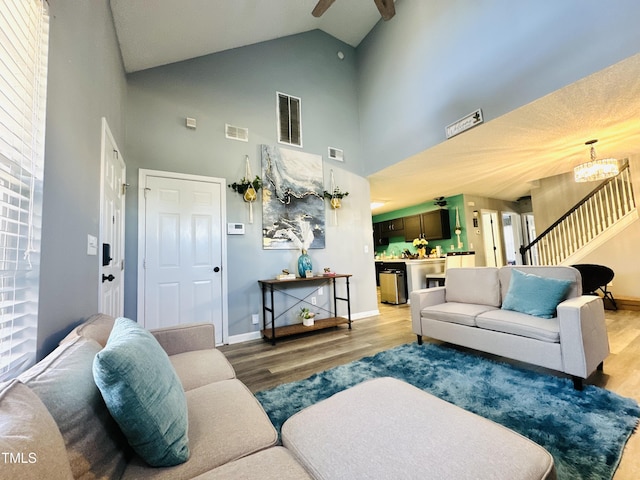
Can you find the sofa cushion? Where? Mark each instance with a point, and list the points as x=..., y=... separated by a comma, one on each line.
x=96, y=448
x=226, y=422
x=535, y=295
x=30, y=441
x=412, y=435
x=516, y=323
x=478, y=285
x=201, y=367
x=144, y=394
x=275, y=463
x=453, y=312
x=97, y=327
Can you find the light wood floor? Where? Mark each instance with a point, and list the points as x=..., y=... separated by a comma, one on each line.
x=261, y=366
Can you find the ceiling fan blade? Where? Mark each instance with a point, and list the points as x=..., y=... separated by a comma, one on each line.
x=386, y=8
x=321, y=7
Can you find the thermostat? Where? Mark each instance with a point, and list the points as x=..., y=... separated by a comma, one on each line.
x=235, y=228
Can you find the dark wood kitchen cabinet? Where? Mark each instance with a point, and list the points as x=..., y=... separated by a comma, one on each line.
x=392, y=228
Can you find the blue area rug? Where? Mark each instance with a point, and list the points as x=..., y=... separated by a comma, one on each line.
x=584, y=431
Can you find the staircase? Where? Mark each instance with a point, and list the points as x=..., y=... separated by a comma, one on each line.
x=599, y=216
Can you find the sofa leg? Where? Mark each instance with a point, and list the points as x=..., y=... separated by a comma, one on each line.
x=577, y=383
x=419, y=339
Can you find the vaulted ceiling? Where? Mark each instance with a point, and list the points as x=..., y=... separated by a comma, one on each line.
x=499, y=159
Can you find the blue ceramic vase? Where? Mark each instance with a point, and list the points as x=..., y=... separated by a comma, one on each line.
x=304, y=264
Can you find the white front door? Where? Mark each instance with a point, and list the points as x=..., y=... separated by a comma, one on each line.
x=182, y=251
x=111, y=241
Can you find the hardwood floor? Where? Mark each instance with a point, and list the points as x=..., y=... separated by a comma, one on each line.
x=261, y=366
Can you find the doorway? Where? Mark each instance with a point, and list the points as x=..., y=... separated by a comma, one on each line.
x=491, y=237
x=182, y=251
x=111, y=238
x=512, y=233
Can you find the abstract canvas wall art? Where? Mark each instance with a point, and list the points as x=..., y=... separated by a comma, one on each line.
x=293, y=210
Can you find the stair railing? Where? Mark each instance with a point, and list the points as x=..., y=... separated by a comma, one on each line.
x=599, y=210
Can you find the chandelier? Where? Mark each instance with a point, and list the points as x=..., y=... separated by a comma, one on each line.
x=595, y=169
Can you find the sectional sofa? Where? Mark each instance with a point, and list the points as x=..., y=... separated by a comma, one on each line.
x=74, y=416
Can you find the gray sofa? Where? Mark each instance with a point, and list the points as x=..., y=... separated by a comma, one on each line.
x=67, y=429
x=467, y=311
x=54, y=424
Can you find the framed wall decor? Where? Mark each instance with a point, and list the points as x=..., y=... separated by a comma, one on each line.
x=293, y=210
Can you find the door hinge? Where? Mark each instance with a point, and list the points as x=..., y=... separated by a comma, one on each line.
x=147, y=189
x=124, y=188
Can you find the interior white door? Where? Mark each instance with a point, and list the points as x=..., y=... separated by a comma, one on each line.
x=183, y=253
x=111, y=238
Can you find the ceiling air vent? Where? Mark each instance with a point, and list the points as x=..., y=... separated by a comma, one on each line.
x=336, y=154
x=236, y=133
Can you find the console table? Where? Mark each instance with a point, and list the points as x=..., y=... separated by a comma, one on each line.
x=271, y=286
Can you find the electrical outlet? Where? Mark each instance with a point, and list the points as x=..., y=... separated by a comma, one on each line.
x=313, y=300
x=255, y=319
x=320, y=290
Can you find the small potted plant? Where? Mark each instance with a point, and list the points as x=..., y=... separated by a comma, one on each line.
x=335, y=197
x=248, y=189
x=306, y=316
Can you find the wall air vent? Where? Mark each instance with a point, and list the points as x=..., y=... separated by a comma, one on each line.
x=236, y=133
x=336, y=154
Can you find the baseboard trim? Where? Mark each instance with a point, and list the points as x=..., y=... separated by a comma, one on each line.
x=627, y=303
x=247, y=337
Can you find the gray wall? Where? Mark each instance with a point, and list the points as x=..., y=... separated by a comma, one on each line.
x=239, y=87
x=436, y=61
x=86, y=81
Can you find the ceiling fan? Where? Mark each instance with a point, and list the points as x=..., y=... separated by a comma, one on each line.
x=385, y=7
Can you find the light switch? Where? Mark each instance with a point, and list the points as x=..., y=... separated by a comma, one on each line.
x=92, y=245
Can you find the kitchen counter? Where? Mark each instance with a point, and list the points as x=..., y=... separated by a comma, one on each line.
x=416, y=269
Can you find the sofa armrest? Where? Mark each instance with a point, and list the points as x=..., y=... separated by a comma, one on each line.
x=583, y=334
x=424, y=298
x=185, y=338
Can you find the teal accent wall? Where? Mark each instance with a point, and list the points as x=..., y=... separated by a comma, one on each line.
x=397, y=244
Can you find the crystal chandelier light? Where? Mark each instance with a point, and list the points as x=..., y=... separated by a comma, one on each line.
x=595, y=169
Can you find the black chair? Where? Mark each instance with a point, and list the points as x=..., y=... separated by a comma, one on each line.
x=594, y=278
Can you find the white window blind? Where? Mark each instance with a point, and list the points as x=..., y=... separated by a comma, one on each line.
x=24, y=38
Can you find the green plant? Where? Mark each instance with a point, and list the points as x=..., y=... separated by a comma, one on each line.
x=305, y=313
x=335, y=194
x=243, y=184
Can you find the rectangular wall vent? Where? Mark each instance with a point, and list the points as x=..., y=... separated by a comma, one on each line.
x=236, y=133
x=336, y=154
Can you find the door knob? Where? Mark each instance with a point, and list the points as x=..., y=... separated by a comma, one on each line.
x=106, y=278
x=216, y=269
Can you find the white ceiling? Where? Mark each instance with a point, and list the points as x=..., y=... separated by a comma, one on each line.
x=499, y=159
x=166, y=31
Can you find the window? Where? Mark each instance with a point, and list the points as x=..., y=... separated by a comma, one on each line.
x=289, y=120
x=24, y=33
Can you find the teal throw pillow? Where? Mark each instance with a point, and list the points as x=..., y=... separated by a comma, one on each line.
x=143, y=394
x=535, y=295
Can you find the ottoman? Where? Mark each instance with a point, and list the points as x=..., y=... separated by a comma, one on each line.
x=386, y=428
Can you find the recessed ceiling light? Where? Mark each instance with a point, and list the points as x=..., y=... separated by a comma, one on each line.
x=375, y=205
